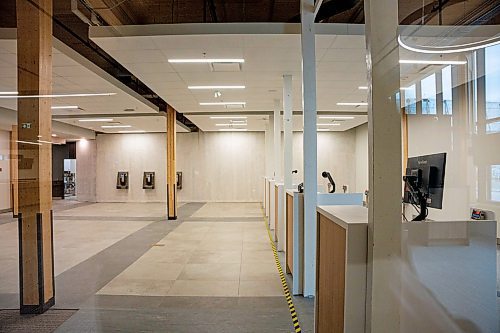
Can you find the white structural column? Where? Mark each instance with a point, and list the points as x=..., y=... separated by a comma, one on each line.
x=277, y=141
x=310, y=143
x=269, y=136
x=384, y=149
x=288, y=130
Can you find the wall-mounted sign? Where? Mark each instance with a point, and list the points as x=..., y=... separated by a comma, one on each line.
x=148, y=181
x=26, y=125
x=122, y=180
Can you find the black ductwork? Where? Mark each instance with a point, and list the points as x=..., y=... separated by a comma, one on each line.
x=331, y=8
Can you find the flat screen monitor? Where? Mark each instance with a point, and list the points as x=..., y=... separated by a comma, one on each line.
x=430, y=169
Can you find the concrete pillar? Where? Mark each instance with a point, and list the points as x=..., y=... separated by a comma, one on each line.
x=36, y=247
x=310, y=143
x=384, y=146
x=171, y=167
x=277, y=141
x=288, y=131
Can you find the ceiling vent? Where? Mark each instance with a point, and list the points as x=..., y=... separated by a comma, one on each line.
x=225, y=66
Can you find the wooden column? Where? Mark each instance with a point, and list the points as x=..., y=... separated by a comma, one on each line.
x=36, y=250
x=14, y=172
x=171, y=168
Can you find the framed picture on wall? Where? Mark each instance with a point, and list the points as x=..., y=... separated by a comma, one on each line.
x=148, y=181
x=122, y=180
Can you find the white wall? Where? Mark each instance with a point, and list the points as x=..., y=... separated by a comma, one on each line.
x=221, y=166
x=135, y=153
x=336, y=154
x=5, y=201
x=86, y=159
x=361, y=158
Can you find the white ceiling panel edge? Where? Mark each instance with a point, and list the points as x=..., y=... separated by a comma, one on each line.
x=222, y=29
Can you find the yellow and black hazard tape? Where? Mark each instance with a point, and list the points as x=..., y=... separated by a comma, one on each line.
x=288, y=296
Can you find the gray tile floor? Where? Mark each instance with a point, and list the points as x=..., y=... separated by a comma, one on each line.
x=126, y=269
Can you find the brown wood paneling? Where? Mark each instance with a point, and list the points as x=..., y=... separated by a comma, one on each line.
x=330, y=276
x=276, y=197
x=171, y=166
x=289, y=233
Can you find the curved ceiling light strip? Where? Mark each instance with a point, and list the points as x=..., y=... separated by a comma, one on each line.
x=451, y=49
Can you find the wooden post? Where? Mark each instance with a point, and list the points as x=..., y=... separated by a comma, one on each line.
x=171, y=168
x=14, y=172
x=36, y=250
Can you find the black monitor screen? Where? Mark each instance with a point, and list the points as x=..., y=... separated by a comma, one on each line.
x=432, y=170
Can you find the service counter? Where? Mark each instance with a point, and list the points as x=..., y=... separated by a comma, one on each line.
x=447, y=273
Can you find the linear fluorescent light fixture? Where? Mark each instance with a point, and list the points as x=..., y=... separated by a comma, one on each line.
x=59, y=95
x=116, y=126
x=43, y=141
x=363, y=88
x=323, y=130
x=8, y=93
x=64, y=107
x=233, y=129
x=29, y=142
x=432, y=62
x=234, y=124
x=352, y=104
x=337, y=117
x=228, y=117
x=329, y=124
x=222, y=103
x=92, y=120
x=214, y=87
x=137, y=131
x=205, y=61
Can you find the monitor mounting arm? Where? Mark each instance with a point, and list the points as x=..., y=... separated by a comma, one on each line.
x=417, y=195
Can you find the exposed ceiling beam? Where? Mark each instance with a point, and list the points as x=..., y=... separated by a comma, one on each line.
x=112, y=13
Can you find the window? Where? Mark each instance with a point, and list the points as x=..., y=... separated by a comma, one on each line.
x=492, y=82
x=410, y=94
x=495, y=183
x=429, y=95
x=447, y=91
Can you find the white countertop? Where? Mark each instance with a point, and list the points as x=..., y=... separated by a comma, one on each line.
x=345, y=215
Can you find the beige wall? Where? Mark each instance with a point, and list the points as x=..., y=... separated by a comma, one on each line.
x=86, y=159
x=361, y=158
x=5, y=173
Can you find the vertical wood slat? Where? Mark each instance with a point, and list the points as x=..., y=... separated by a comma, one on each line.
x=34, y=61
x=14, y=172
x=171, y=165
x=330, y=278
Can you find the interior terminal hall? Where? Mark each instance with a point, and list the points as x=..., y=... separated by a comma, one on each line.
x=253, y=166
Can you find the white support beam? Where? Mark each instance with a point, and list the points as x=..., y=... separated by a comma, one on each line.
x=277, y=141
x=385, y=167
x=288, y=131
x=310, y=144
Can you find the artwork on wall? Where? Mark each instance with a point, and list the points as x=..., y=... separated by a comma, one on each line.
x=122, y=180
x=148, y=181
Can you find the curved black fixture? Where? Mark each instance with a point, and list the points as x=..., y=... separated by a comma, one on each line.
x=326, y=174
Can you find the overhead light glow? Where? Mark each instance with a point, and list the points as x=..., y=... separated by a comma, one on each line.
x=432, y=62
x=59, y=95
x=215, y=87
x=329, y=124
x=90, y=120
x=64, y=107
x=43, y=141
x=8, y=93
x=235, y=124
x=222, y=103
x=54, y=135
x=233, y=129
x=353, y=104
x=337, y=117
x=363, y=88
x=204, y=61
x=323, y=130
x=116, y=126
x=452, y=49
x=228, y=117
x=137, y=131
x=29, y=142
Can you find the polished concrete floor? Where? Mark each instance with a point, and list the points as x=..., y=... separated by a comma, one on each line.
x=124, y=268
